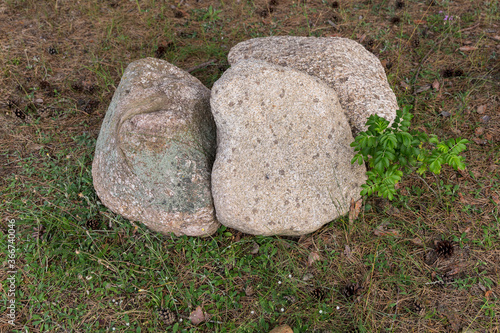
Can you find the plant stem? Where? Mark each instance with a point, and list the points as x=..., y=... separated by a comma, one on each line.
x=430, y=188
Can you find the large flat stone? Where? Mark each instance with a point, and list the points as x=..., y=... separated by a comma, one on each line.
x=345, y=65
x=156, y=148
x=283, y=156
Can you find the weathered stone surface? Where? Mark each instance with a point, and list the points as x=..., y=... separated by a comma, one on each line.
x=355, y=74
x=156, y=148
x=283, y=156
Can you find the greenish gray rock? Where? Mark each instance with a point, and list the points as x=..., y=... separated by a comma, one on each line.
x=345, y=65
x=156, y=149
x=283, y=157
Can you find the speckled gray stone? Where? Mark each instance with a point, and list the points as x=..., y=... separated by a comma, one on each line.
x=354, y=73
x=283, y=156
x=155, y=150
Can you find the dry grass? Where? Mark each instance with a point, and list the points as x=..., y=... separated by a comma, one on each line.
x=61, y=62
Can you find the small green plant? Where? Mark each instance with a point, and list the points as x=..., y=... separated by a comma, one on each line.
x=212, y=14
x=393, y=150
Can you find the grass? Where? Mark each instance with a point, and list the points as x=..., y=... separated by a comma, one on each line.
x=81, y=268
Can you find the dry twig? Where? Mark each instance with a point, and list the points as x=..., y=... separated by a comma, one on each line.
x=203, y=65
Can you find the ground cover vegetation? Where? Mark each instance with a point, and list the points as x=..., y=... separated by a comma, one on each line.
x=391, y=150
x=426, y=261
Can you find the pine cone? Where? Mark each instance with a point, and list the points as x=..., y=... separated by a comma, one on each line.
x=44, y=85
x=93, y=224
x=351, y=289
x=448, y=72
x=395, y=20
x=161, y=50
x=20, y=114
x=319, y=294
x=444, y=248
x=167, y=316
x=417, y=307
x=77, y=86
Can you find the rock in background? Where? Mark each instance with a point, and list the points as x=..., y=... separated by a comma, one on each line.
x=156, y=149
x=283, y=156
x=354, y=73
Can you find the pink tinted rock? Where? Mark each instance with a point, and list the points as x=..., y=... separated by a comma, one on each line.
x=354, y=73
x=155, y=150
x=283, y=156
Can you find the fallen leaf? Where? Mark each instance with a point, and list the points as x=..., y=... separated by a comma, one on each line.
x=307, y=277
x=198, y=316
x=467, y=48
x=454, y=270
x=184, y=13
x=354, y=209
x=282, y=329
x=422, y=89
x=313, y=257
x=479, y=131
x=417, y=241
x=488, y=294
x=405, y=85
x=381, y=231
x=489, y=137
x=249, y=291
x=347, y=252
x=466, y=230
x=331, y=23
x=445, y=114
x=497, y=38
x=391, y=210
x=419, y=21
x=469, y=200
x=255, y=248
x=435, y=85
x=32, y=147
x=480, y=142
x=485, y=119
x=481, y=109
x=361, y=37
